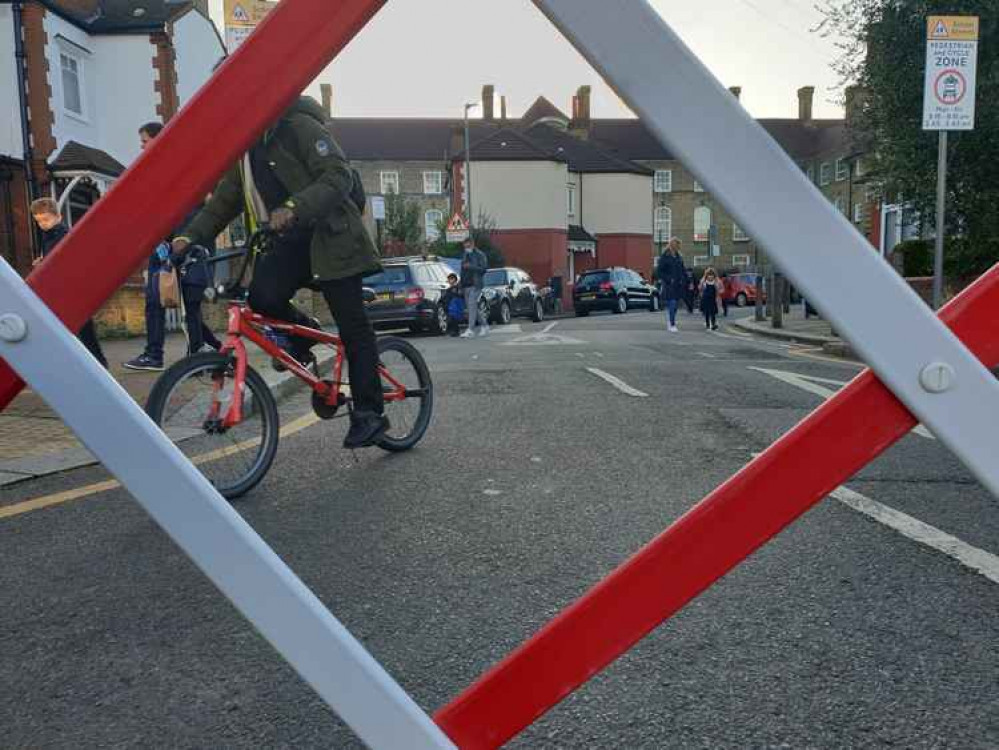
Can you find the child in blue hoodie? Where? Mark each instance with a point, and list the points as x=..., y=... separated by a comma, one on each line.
x=454, y=304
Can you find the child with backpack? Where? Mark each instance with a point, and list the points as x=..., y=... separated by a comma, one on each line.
x=454, y=304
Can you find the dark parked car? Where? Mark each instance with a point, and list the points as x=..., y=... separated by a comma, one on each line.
x=408, y=291
x=510, y=292
x=616, y=289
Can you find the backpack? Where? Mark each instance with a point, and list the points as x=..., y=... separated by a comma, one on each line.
x=357, y=194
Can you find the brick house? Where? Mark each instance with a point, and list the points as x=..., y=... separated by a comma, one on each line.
x=93, y=72
x=574, y=192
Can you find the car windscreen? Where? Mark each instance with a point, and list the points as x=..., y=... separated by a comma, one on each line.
x=389, y=276
x=495, y=277
x=592, y=279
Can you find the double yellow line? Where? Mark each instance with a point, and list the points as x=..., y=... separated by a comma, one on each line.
x=58, y=498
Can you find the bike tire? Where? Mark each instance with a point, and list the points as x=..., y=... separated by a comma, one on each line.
x=405, y=430
x=208, y=449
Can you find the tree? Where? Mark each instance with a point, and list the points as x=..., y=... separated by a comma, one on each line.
x=882, y=49
x=402, y=223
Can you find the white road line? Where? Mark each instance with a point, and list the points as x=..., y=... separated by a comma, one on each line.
x=617, y=383
x=550, y=326
x=599, y=354
x=709, y=356
x=811, y=384
x=978, y=560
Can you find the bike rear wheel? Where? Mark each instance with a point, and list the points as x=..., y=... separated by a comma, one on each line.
x=409, y=393
x=189, y=402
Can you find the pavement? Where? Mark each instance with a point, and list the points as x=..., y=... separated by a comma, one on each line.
x=554, y=454
x=34, y=442
x=814, y=331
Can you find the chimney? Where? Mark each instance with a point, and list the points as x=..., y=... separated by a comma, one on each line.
x=503, y=108
x=805, y=95
x=488, y=93
x=575, y=108
x=856, y=98
x=736, y=91
x=327, y=91
x=583, y=106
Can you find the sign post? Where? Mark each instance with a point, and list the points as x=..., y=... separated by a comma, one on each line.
x=948, y=104
x=241, y=18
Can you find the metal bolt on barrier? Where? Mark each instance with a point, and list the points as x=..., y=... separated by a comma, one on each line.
x=937, y=377
x=12, y=328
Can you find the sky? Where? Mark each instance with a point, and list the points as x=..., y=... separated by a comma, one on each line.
x=427, y=58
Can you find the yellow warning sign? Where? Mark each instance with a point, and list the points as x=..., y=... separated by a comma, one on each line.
x=952, y=28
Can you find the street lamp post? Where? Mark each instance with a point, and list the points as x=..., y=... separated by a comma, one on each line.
x=468, y=168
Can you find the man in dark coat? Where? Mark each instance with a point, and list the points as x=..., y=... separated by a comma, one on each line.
x=46, y=214
x=672, y=280
x=297, y=179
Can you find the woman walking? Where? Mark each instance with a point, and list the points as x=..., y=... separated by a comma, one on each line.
x=711, y=294
x=672, y=280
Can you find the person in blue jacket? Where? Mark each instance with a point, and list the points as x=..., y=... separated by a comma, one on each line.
x=672, y=280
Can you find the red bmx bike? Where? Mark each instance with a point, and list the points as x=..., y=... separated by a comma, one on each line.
x=219, y=411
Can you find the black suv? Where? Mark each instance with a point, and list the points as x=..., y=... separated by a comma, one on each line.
x=614, y=289
x=408, y=291
x=510, y=292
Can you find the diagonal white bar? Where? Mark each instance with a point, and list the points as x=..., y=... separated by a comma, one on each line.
x=708, y=130
x=214, y=535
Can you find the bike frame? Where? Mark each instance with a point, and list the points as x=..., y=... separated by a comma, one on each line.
x=246, y=324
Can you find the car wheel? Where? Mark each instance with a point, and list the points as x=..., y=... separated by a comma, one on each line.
x=741, y=299
x=483, y=311
x=654, y=303
x=539, y=311
x=504, y=313
x=438, y=325
x=622, y=304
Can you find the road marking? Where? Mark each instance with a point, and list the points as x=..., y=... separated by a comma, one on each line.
x=709, y=356
x=542, y=339
x=809, y=353
x=598, y=354
x=732, y=334
x=811, y=384
x=617, y=383
x=550, y=326
x=66, y=496
x=978, y=560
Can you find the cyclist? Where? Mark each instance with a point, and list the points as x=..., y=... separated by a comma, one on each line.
x=297, y=179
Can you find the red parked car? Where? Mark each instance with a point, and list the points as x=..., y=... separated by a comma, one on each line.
x=740, y=289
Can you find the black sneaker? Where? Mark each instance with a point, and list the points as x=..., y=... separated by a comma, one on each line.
x=365, y=430
x=146, y=363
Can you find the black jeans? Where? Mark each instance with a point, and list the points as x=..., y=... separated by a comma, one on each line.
x=284, y=270
x=198, y=334
x=88, y=336
x=155, y=318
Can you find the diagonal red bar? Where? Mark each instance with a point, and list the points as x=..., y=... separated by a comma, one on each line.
x=293, y=44
x=796, y=472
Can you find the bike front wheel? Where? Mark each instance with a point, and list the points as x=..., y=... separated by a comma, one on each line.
x=190, y=402
x=408, y=393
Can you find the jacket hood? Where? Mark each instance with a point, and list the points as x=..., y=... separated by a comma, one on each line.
x=304, y=105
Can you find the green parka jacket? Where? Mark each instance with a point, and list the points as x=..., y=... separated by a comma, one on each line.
x=312, y=167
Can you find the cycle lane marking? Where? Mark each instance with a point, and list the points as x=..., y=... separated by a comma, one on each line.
x=617, y=383
x=79, y=493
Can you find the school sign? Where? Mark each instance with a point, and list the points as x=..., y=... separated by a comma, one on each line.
x=951, y=60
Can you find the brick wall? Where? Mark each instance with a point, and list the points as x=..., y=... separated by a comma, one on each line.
x=165, y=83
x=632, y=251
x=39, y=93
x=410, y=185
x=15, y=246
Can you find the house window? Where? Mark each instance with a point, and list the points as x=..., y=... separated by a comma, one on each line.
x=842, y=170
x=858, y=213
x=702, y=261
x=663, y=223
x=738, y=235
x=859, y=168
x=570, y=197
x=840, y=204
x=72, y=83
x=390, y=183
x=811, y=173
x=698, y=187
x=432, y=220
x=702, y=223
x=825, y=173
x=663, y=181
x=740, y=261
x=433, y=183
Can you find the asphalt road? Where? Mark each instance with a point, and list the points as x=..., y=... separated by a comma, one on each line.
x=537, y=477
